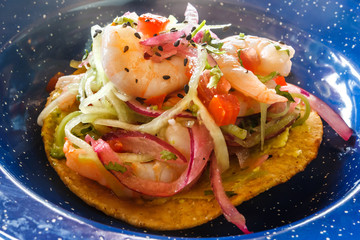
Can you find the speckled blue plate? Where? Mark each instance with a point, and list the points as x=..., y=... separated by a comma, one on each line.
x=38, y=38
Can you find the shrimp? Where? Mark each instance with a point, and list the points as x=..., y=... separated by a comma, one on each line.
x=124, y=64
x=157, y=171
x=77, y=161
x=178, y=136
x=267, y=57
x=248, y=106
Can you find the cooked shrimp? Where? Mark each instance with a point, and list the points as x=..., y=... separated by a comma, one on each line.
x=125, y=65
x=271, y=56
x=157, y=171
x=178, y=136
x=248, y=106
x=91, y=170
x=268, y=59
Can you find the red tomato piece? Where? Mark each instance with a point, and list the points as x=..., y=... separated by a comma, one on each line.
x=206, y=94
x=151, y=24
x=156, y=100
x=224, y=108
x=280, y=80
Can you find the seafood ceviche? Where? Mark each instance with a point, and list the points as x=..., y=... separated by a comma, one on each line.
x=156, y=102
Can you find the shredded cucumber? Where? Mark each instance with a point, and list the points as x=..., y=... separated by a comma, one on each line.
x=235, y=130
x=263, y=112
x=306, y=114
x=57, y=148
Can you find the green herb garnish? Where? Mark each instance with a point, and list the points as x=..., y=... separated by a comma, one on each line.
x=115, y=167
x=242, y=36
x=265, y=79
x=279, y=48
x=215, y=74
x=167, y=155
x=284, y=94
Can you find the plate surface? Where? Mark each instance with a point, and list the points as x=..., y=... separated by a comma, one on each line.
x=39, y=38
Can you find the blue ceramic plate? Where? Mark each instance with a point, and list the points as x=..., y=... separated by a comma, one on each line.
x=38, y=38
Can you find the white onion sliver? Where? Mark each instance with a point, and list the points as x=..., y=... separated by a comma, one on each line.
x=121, y=96
x=97, y=42
x=220, y=147
x=75, y=140
x=94, y=98
x=88, y=89
x=191, y=14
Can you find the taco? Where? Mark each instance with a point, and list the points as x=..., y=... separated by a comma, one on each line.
x=165, y=126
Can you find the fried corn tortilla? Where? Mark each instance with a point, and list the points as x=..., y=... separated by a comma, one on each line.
x=195, y=207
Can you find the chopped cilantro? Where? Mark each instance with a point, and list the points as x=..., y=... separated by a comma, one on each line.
x=115, y=167
x=213, y=45
x=125, y=20
x=240, y=60
x=242, y=36
x=279, y=48
x=85, y=55
x=194, y=109
x=167, y=155
x=201, y=25
x=284, y=94
x=215, y=74
x=268, y=77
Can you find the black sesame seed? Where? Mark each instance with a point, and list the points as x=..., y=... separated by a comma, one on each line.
x=137, y=35
x=204, y=44
x=281, y=42
x=183, y=35
x=173, y=30
x=247, y=71
x=124, y=25
x=166, y=77
x=177, y=43
x=188, y=37
x=169, y=58
x=136, y=80
x=97, y=31
x=147, y=20
x=140, y=100
x=126, y=48
x=160, y=48
x=186, y=88
x=135, y=24
x=193, y=29
x=158, y=54
x=185, y=61
x=180, y=95
x=126, y=69
x=185, y=21
x=155, y=35
x=128, y=23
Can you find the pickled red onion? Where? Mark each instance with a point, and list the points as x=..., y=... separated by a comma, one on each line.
x=329, y=115
x=201, y=148
x=229, y=210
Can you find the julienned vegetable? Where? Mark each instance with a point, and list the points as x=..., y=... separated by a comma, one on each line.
x=156, y=100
